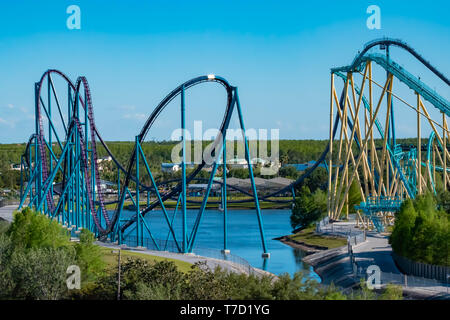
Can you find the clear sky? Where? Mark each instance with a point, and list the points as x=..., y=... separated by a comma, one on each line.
x=278, y=53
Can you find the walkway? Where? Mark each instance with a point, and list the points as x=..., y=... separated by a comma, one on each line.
x=335, y=265
x=6, y=212
x=212, y=263
x=376, y=250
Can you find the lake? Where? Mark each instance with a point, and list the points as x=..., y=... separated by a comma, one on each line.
x=244, y=237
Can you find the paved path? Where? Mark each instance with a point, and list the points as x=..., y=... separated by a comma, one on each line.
x=376, y=250
x=7, y=211
x=336, y=266
x=192, y=258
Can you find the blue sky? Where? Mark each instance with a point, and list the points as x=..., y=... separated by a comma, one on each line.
x=278, y=53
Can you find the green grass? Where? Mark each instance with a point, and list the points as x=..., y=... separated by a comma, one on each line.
x=308, y=236
x=111, y=259
x=389, y=229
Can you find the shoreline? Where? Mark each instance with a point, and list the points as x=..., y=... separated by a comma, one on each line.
x=308, y=248
x=331, y=265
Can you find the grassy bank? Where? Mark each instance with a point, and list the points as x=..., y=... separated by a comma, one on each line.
x=111, y=259
x=309, y=237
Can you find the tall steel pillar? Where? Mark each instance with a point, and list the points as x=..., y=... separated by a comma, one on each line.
x=183, y=171
x=224, y=196
x=250, y=169
x=138, y=215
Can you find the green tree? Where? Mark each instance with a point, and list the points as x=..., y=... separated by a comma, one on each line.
x=421, y=231
x=89, y=257
x=288, y=172
x=6, y=273
x=308, y=208
x=30, y=229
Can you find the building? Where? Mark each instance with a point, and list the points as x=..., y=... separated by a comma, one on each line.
x=170, y=167
x=104, y=159
x=304, y=166
x=15, y=167
x=237, y=163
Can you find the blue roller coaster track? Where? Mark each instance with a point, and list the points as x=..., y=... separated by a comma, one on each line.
x=79, y=201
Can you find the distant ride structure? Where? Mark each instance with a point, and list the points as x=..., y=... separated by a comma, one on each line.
x=388, y=173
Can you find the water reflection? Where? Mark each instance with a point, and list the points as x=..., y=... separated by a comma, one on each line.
x=298, y=256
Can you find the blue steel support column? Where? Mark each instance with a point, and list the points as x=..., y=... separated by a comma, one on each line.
x=161, y=202
x=69, y=162
x=224, y=196
x=86, y=143
x=21, y=177
x=52, y=176
x=118, y=184
x=30, y=172
x=255, y=194
x=50, y=126
x=204, y=202
x=210, y=181
x=183, y=172
x=138, y=216
x=171, y=221
x=37, y=185
x=77, y=166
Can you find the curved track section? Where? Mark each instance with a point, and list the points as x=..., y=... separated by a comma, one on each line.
x=81, y=83
x=147, y=126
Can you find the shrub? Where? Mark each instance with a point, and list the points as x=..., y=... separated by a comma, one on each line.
x=40, y=273
x=421, y=231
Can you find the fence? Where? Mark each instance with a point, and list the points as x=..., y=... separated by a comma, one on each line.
x=356, y=239
x=7, y=202
x=219, y=254
x=322, y=223
x=157, y=245
x=353, y=235
x=170, y=245
x=338, y=230
x=404, y=280
x=420, y=269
